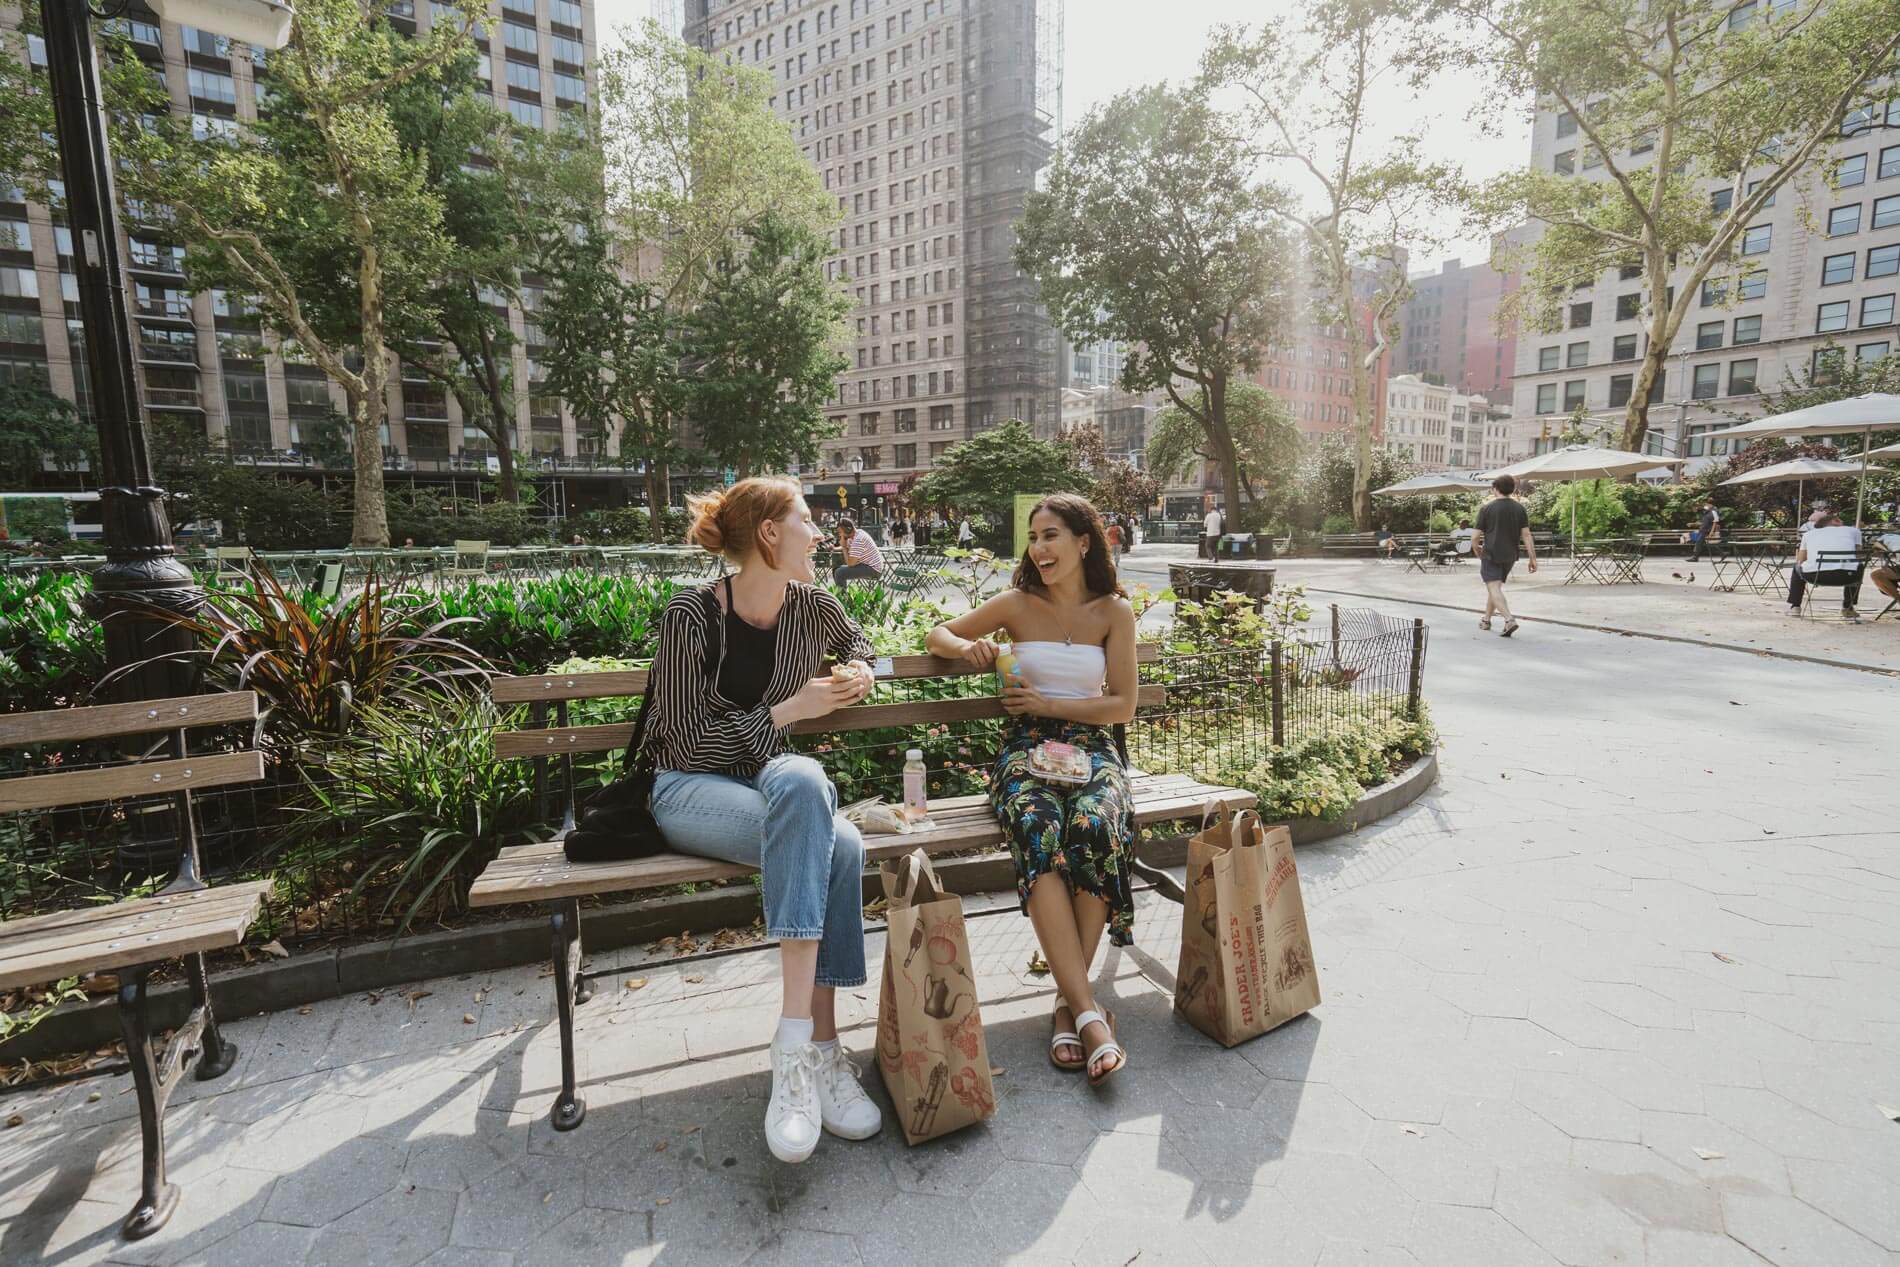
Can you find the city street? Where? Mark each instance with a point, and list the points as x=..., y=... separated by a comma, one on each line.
x=1619, y=990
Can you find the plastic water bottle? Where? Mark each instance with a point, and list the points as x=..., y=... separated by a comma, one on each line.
x=915, y=797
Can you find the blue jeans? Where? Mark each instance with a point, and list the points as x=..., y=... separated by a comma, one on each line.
x=811, y=859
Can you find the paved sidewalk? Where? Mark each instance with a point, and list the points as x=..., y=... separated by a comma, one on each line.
x=1621, y=990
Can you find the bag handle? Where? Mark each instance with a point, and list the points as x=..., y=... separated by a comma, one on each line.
x=1215, y=805
x=911, y=880
x=1241, y=823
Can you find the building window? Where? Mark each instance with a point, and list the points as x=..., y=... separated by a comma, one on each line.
x=523, y=76
x=1630, y=306
x=1624, y=348
x=1579, y=316
x=1547, y=358
x=1577, y=354
x=1706, y=382
x=1714, y=293
x=1565, y=163
x=1753, y=286
x=904, y=455
x=1842, y=221
x=1852, y=171
x=1566, y=124
x=1757, y=238
x=1825, y=367
x=1747, y=330
x=1887, y=211
x=1889, y=163
x=526, y=113
x=1547, y=398
x=1868, y=353
x=1708, y=335
x=1883, y=261
x=1876, y=310
x=1831, y=317
x=1720, y=201
x=1836, y=269
x=1573, y=394
x=1741, y=378
x=1620, y=388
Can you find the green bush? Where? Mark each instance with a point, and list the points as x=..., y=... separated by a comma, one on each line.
x=622, y=525
x=1335, y=523
x=1440, y=523
x=51, y=650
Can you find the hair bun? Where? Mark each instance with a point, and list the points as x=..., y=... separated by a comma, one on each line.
x=707, y=532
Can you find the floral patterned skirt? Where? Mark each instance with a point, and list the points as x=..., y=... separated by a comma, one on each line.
x=1083, y=832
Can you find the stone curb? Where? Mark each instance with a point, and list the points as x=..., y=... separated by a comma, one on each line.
x=332, y=973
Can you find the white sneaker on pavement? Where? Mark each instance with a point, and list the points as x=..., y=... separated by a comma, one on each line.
x=842, y=1104
x=792, y=1123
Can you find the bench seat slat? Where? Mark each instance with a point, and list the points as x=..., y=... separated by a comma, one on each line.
x=540, y=872
x=555, y=740
x=80, y=916
x=34, y=951
x=109, y=721
x=142, y=778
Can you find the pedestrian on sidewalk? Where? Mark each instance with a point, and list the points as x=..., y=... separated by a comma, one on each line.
x=1706, y=531
x=736, y=667
x=1212, y=526
x=1504, y=529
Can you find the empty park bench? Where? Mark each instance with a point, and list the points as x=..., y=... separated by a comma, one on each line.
x=1349, y=543
x=542, y=873
x=132, y=937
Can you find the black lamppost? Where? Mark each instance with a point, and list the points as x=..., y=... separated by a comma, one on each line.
x=142, y=571
x=857, y=486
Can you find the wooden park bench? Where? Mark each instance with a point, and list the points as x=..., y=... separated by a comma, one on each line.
x=542, y=873
x=132, y=937
x=1349, y=543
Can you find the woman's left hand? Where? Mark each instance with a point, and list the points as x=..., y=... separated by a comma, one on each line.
x=1024, y=701
x=867, y=679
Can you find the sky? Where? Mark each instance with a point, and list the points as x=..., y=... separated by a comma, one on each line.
x=1118, y=44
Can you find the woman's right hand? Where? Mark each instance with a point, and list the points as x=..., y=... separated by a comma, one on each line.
x=980, y=652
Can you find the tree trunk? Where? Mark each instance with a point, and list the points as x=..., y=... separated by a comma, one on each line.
x=1362, y=411
x=1223, y=440
x=658, y=480
x=499, y=412
x=505, y=478
x=1636, y=417
x=370, y=519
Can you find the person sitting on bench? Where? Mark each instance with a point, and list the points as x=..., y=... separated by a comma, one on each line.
x=863, y=561
x=1460, y=543
x=726, y=788
x=1387, y=543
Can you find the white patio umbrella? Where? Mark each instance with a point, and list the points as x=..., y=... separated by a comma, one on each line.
x=1885, y=451
x=1581, y=462
x=1436, y=485
x=1855, y=415
x=1799, y=471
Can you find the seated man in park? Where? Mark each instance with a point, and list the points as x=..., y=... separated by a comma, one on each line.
x=1834, y=538
x=1460, y=543
x=1387, y=543
x=863, y=561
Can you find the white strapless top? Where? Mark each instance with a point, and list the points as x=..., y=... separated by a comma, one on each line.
x=1061, y=671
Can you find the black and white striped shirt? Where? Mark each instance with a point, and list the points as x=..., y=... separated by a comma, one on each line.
x=692, y=726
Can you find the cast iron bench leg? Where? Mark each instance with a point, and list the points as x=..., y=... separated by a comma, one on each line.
x=157, y=1199
x=216, y=1053
x=565, y=922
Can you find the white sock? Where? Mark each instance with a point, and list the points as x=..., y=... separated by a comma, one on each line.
x=792, y=1032
x=827, y=1047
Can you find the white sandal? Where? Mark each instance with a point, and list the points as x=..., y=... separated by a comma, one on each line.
x=1064, y=1038
x=1109, y=1048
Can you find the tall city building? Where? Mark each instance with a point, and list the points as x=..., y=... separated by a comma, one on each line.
x=1309, y=366
x=204, y=356
x=1448, y=328
x=1094, y=364
x=928, y=120
x=1827, y=272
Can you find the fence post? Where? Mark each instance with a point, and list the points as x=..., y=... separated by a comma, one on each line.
x=1335, y=637
x=1418, y=667
x=1279, y=701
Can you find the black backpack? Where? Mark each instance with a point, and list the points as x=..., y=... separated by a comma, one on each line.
x=616, y=823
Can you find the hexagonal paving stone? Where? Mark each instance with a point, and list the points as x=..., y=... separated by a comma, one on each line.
x=954, y=1165
x=1432, y=1164
x=924, y=1230
x=513, y=1206
x=1577, y=1106
x=1791, y=1233
x=1568, y=1216
x=1037, y=1212
x=1346, y=1198
x=398, y=1229
x=1465, y=1236
x=1853, y=1194
x=795, y=1248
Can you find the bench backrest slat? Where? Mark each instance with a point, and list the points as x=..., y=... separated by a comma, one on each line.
x=613, y=684
x=575, y=740
x=109, y=721
x=141, y=778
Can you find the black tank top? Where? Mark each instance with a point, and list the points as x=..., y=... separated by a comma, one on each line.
x=750, y=654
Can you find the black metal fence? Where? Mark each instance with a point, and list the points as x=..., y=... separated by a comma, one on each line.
x=386, y=831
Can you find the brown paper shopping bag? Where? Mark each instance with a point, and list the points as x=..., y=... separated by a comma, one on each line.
x=929, y=1031
x=1246, y=956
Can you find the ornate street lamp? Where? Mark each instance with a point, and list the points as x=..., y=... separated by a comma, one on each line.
x=857, y=482
x=142, y=573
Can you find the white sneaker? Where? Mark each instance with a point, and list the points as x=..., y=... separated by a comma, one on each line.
x=842, y=1105
x=792, y=1124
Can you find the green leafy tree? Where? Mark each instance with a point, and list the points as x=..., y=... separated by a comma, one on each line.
x=1266, y=440
x=459, y=334
x=37, y=425
x=1666, y=96
x=26, y=117
x=1148, y=232
x=983, y=475
x=318, y=210
x=1311, y=91
x=1329, y=474
x=764, y=346
x=1115, y=484
x=1831, y=375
